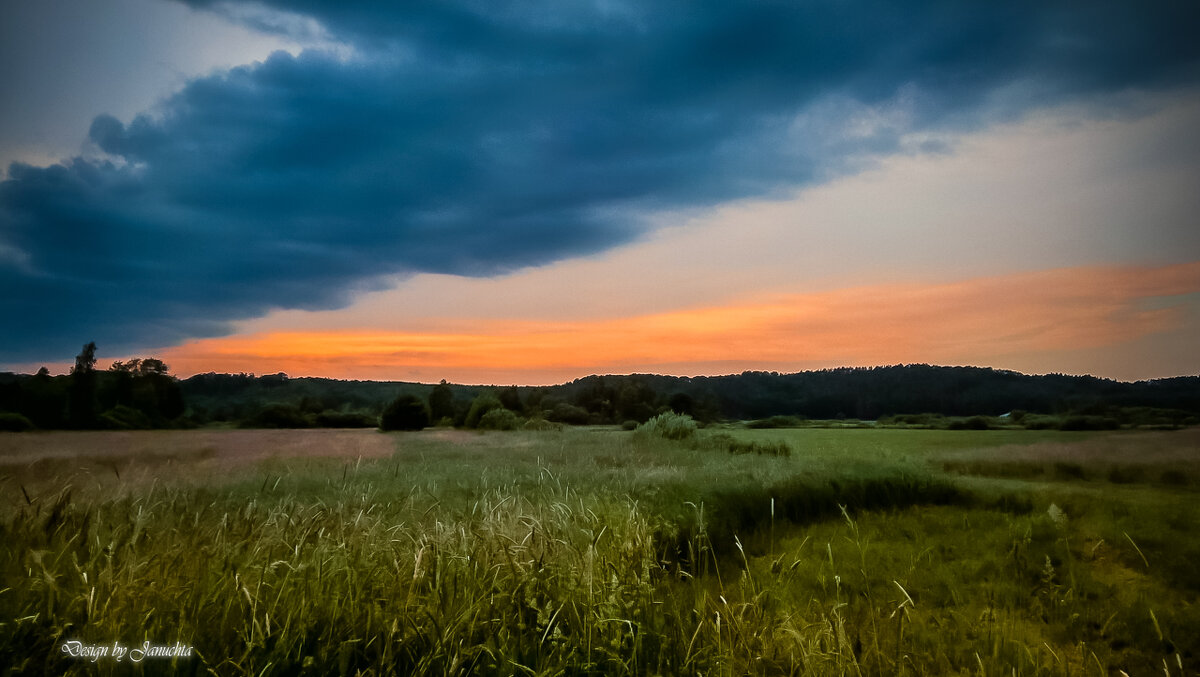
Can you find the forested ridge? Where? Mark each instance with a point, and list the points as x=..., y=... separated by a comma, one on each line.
x=142, y=394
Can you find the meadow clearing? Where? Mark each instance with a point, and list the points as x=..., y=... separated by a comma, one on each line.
x=806, y=551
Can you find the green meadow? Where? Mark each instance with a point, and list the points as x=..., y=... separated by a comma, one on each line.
x=581, y=551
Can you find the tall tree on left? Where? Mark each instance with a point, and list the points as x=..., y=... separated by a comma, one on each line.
x=81, y=405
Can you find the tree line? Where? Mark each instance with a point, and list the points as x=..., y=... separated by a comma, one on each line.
x=138, y=393
x=141, y=393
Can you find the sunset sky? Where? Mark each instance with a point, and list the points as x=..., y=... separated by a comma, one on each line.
x=530, y=192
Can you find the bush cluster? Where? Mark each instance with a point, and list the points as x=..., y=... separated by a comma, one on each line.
x=14, y=423
x=668, y=426
x=122, y=417
x=499, y=419
x=482, y=404
x=972, y=423
x=406, y=412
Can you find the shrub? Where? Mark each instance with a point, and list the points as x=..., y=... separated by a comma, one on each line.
x=277, y=416
x=669, y=426
x=122, y=417
x=629, y=425
x=499, y=419
x=569, y=414
x=481, y=405
x=14, y=423
x=973, y=423
x=441, y=402
x=406, y=412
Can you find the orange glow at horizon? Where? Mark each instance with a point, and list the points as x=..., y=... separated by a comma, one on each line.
x=976, y=321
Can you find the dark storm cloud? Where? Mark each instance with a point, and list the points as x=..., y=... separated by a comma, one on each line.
x=474, y=138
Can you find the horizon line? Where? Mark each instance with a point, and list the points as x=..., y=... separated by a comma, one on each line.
x=771, y=372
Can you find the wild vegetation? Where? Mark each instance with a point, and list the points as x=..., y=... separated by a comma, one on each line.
x=141, y=394
x=600, y=551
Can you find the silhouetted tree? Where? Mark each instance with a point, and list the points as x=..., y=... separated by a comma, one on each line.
x=682, y=403
x=510, y=397
x=143, y=385
x=159, y=396
x=152, y=365
x=81, y=405
x=43, y=399
x=564, y=412
x=635, y=401
x=441, y=402
x=406, y=412
x=534, y=398
x=85, y=361
x=596, y=394
x=118, y=390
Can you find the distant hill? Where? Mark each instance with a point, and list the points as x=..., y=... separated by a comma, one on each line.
x=871, y=392
x=862, y=393
x=856, y=393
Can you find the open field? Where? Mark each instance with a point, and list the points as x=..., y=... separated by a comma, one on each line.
x=597, y=551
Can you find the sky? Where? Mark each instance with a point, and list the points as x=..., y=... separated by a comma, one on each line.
x=531, y=192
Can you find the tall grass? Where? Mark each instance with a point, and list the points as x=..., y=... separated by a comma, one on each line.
x=584, y=552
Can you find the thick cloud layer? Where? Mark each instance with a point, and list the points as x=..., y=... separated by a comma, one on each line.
x=479, y=137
